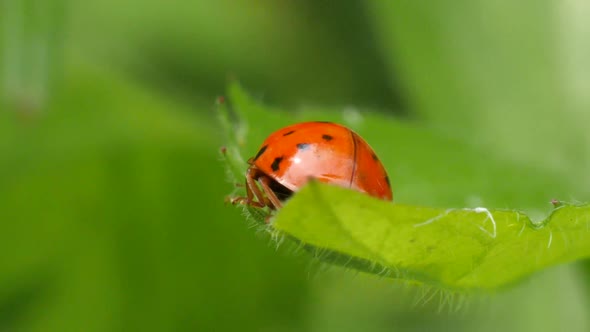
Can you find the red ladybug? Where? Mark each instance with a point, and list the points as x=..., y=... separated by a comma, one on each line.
x=325, y=151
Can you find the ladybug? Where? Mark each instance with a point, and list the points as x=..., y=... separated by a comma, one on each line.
x=325, y=151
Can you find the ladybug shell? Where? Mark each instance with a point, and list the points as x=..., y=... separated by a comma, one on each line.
x=326, y=151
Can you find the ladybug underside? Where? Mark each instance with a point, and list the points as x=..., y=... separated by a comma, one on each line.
x=283, y=193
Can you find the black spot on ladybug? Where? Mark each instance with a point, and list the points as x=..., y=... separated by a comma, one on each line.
x=302, y=146
x=275, y=164
x=260, y=152
x=374, y=157
x=289, y=133
x=387, y=180
x=327, y=137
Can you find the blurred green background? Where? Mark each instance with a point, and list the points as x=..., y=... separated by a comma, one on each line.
x=112, y=190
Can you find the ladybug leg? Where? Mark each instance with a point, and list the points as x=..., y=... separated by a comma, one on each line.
x=252, y=191
x=275, y=203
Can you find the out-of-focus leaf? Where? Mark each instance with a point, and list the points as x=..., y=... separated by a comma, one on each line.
x=111, y=204
x=426, y=167
x=509, y=75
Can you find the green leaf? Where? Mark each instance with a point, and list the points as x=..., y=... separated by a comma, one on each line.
x=457, y=249
x=418, y=238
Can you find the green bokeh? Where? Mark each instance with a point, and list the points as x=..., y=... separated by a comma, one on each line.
x=112, y=189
